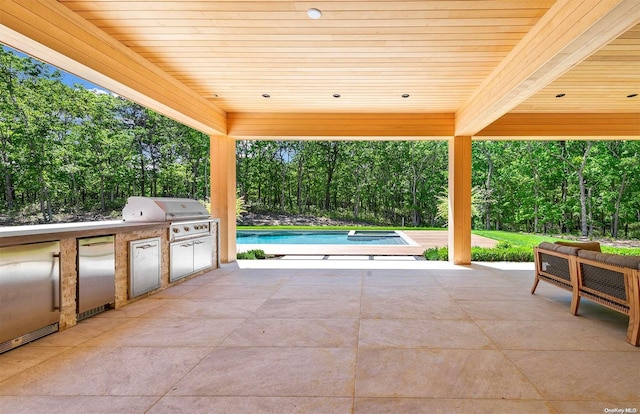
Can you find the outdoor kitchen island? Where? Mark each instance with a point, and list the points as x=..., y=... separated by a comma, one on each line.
x=65, y=260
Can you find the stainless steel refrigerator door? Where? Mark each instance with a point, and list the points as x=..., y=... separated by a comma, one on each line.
x=144, y=266
x=29, y=288
x=96, y=272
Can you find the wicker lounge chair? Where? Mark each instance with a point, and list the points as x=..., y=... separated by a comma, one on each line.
x=608, y=279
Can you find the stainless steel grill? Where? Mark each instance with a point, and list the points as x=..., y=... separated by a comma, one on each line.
x=163, y=209
x=191, y=232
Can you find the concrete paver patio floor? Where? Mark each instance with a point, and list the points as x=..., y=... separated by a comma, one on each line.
x=327, y=336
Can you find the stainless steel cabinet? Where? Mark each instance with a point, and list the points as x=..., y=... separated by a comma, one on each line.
x=190, y=256
x=30, y=294
x=181, y=259
x=202, y=253
x=144, y=266
x=96, y=274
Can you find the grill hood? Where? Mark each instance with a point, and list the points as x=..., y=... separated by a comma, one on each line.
x=153, y=209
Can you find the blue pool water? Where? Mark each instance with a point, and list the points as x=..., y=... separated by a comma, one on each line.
x=319, y=237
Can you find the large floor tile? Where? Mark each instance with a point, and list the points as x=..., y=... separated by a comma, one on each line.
x=341, y=308
x=426, y=293
x=491, y=293
x=406, y=280
x=176, y=291
x=515, y=310
x=582, y=375
x=215, y=292
x=24, y=357
x=76, y=405
x=411, y=308
x=333, y=279
x=440, y=373
x=83, y=331
x=106, y=371
x=263, y=405
x=613, y=407
x=134, y=309
x=326, y=333
x=206, y=308
x=418, y=333
x=581, y=334
x=474, y=280
x=169, y=332
x=272, y=372
x=318, y=292
x=449, y=406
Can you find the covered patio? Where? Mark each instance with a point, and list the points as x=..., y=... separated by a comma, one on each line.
x=361, y=336
x=358, y=70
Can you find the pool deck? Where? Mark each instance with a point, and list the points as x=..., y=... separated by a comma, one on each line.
x=423, y=239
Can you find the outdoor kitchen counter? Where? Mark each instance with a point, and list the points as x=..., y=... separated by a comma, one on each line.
x=47, y=232
x=68, y=235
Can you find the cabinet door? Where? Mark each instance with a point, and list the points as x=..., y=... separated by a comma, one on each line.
x=181, y=259
x=202, y=253
x=96, y=272
x=144, y=275
x=29, y=288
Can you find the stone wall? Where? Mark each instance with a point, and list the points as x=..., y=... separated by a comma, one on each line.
x=68, y=274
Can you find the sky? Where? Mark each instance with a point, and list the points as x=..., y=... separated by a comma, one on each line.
x=67, y=78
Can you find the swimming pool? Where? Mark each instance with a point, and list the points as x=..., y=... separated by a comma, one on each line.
x=343, y=237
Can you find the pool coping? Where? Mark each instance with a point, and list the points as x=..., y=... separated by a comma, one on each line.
x=423, y=240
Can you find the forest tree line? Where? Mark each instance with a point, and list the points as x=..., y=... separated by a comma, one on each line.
x=589, y=188
x=70, y=148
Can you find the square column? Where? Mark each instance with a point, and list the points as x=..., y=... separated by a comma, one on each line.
x=460, y=200
x=223, y=192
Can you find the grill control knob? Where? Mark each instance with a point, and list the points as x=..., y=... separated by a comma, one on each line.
x=176, y=230
x=186, y=228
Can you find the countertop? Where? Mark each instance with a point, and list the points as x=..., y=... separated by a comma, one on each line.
x=44, y=232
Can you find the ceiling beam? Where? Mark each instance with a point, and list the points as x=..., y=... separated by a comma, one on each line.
x=563, y=126
x=56, y=35
x=566, y=35
x=340, y=126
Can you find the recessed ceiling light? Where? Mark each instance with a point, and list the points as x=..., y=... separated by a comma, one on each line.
x=336, y=95
x=561, y=95
x=633, y=95
x=314, y=13
x=405, y=95
x=266, y=95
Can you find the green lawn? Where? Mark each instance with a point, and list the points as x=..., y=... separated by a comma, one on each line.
x=517, y=239
x=531, y=240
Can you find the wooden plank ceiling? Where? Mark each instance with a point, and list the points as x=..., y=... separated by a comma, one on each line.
x=368, y=52
x=266, y=62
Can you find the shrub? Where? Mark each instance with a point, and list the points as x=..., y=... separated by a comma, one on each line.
x=246, y=256
x=259, y=254
x=483, y=254
x=252, y=255
x=501, y=254
x=436, y=253
x=504, y=244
